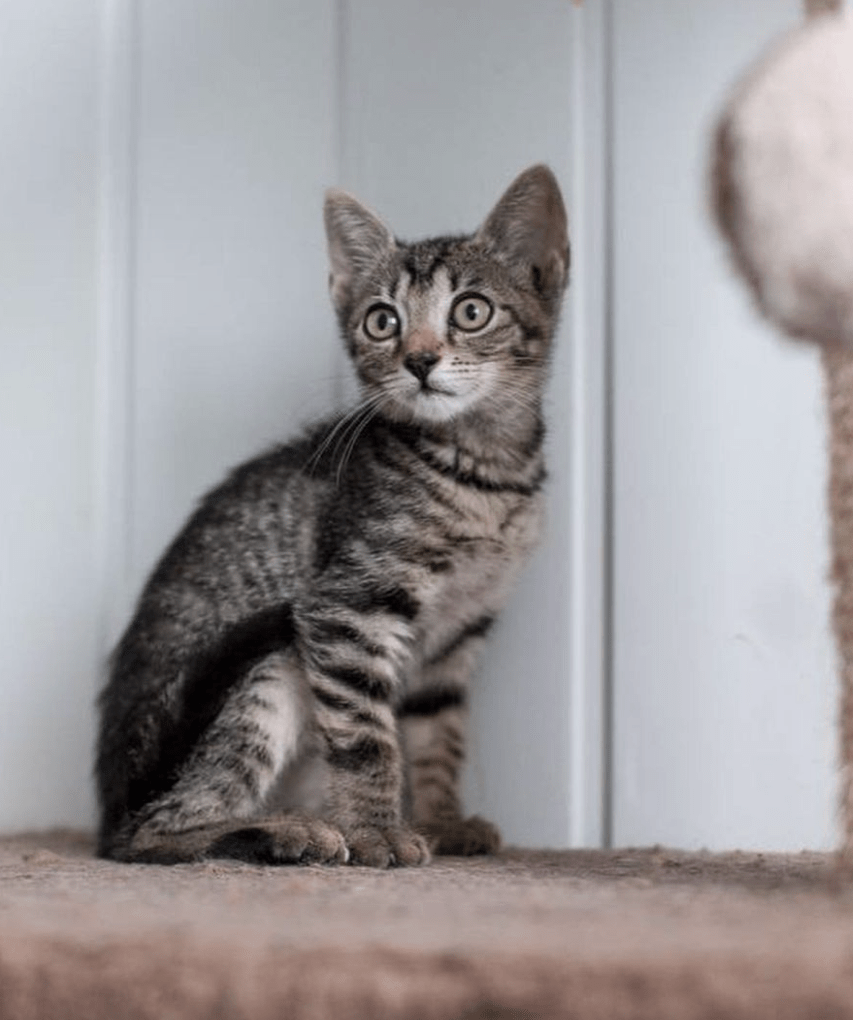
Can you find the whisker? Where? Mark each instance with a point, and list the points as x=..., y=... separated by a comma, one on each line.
x=354, y=435
x=393, y=388
x=355, y=426
x=342, y=422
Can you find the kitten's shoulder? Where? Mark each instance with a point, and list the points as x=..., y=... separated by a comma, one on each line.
x=274, y=467
x=257, y=494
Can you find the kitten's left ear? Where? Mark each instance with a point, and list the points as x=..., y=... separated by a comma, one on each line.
x=357, y=240
x=528, y=227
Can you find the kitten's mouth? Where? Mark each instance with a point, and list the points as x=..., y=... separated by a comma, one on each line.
x=433, y=401
x=430, y=390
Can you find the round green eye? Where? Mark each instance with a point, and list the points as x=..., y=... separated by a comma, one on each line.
x=381, y=322
x=471, y=312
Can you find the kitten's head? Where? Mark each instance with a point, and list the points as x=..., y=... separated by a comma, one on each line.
x=440, y=327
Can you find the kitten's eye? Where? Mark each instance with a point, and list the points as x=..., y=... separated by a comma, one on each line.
x=381, y=322
x=471, y=312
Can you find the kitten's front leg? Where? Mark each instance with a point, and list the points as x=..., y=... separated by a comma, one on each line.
x=353, y=664
x=433, y=719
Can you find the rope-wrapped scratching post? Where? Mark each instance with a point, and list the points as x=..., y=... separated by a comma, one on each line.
x=783, y=190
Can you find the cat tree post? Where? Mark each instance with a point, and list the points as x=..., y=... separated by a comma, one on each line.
x=838, y=365
x=838, y=370
x=783, y=190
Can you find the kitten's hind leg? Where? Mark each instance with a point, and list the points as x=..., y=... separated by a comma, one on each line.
x=434, y=726
x=215, y=807
x=433, y=719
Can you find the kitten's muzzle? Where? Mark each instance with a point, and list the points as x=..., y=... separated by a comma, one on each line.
x=421, y=363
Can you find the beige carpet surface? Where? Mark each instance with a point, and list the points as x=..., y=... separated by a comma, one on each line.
x=607, y=935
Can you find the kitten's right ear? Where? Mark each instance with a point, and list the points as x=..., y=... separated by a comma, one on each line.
x=357, y=240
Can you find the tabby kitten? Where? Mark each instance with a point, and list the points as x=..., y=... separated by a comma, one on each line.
x=322, y=610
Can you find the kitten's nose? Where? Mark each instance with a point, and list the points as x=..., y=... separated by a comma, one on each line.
x=420, y=364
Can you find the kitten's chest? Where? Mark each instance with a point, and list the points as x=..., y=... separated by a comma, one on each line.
x=484, y=560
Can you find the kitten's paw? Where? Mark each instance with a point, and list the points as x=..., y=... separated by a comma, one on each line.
x=462, y=836
x=289, y=839
x=391, y=847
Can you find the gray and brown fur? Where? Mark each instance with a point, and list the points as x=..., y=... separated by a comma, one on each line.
x=293, y=684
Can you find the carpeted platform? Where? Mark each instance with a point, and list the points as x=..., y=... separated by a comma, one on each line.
x=649, y=934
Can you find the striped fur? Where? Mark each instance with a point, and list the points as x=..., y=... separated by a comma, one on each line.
x=321, y=612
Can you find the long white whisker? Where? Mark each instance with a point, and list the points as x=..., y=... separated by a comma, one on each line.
x=343, y=422
x=353, y=439
x=355, y=426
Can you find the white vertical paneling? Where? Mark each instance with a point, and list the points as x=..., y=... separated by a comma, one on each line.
x=165, y=314
x=116, y=288
x=49, y=599
x=234, y=337
x=723, y=671
x=587, y=451
x=445, y=103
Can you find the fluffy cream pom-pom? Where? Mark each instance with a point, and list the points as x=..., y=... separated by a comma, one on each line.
x=783, y=180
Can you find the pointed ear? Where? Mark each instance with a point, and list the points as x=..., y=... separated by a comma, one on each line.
x=357, y=240
x=528, y=228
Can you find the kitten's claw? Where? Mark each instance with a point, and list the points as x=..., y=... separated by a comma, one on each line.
x=387, y=848
x=462, y=836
